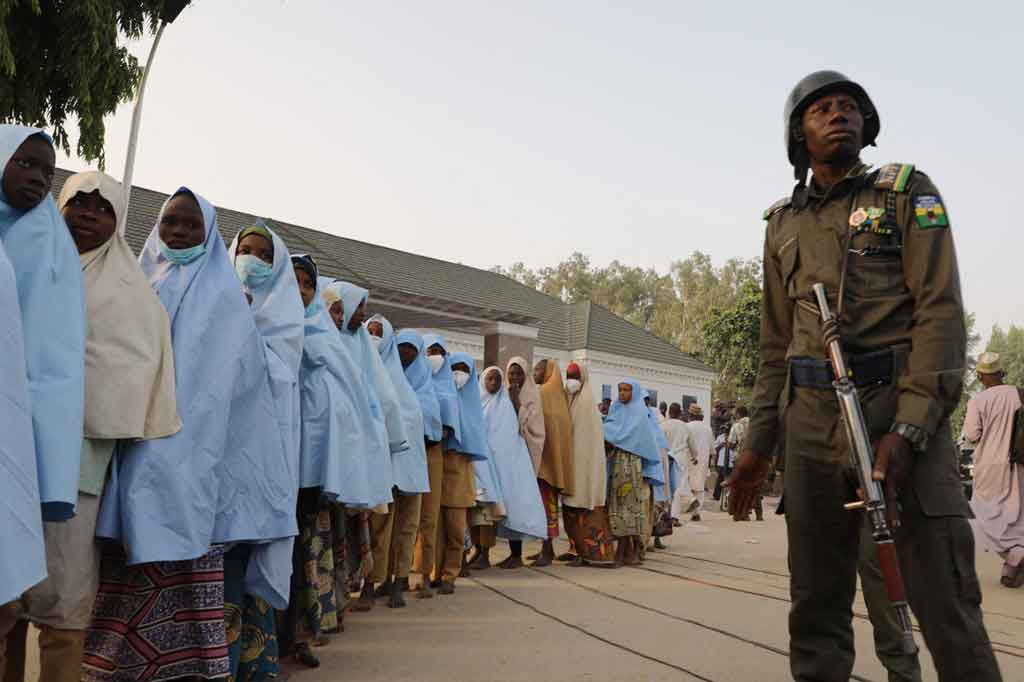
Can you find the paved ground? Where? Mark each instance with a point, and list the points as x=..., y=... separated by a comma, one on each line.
x=711, y=607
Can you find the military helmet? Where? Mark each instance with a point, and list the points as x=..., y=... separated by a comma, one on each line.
x=807, y=90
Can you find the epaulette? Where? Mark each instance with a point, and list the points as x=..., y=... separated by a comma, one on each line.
x=894, y=176
x=776, y=207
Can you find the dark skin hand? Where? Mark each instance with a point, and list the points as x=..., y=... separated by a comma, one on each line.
x=376, y=329
x=746, y=480
x=90, y=219
x=492, y=381
x=407, y=354
x=256, y=245
x=181, y=224
x=358, y=317
x=28, y=176
x=307, y=287
x=833, y=128
x=539, y=370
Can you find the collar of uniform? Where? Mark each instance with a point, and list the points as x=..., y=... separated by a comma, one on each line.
x=849, y=182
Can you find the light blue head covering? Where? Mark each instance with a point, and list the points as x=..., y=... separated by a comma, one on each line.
x=23, y=560
x=338, y=428
x=48, y=273
x=628, y=427
x=278, y=311
x=379, y=396
x=444, y=386
x=409, y=467
x=225, y=476
x=472, y=439
x=418, y=374
x=524, y=509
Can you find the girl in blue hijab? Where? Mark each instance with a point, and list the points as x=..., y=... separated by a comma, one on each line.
x=458, y=485
x=47, y=272
x=223, y=478
x=441, y=369
x=393, y=552
x=631, y=444
x=263, y=266
x=412, y=352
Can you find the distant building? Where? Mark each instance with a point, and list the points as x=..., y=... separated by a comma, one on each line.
x=487, y=315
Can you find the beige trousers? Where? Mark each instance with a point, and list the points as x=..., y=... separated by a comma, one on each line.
x=394, y=536
x=60, y=651
x=430, y=509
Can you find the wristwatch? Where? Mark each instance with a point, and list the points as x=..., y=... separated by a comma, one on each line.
x=918, y=438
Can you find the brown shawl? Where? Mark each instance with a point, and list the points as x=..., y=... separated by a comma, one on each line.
x=590, y=479
x=531, y=415
x=556, y=465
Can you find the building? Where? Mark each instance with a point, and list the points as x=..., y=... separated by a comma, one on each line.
x=487, y=315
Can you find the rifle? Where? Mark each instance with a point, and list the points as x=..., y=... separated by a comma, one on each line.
x=862, y=454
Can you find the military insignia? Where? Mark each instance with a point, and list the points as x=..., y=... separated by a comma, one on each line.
x=929, y=212
x=874, y=213
x=858, y=217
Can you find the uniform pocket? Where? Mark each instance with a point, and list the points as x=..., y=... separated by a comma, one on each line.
x=961, y=548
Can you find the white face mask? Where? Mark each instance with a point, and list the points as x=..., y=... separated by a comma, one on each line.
x=573, y=386
x=375, y=340
x=460, y=378
x=436, y=362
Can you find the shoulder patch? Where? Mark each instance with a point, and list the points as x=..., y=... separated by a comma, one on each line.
x=894, y=176
x=929, y=212
x=776, y=207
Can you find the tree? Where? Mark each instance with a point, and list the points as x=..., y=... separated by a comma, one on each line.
x=61, y=59
x=731, y=338
x=956, y=420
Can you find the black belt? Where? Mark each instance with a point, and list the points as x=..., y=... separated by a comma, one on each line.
x=870, y=369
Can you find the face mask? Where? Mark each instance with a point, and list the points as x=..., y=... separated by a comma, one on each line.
x=436, y=362
x=311, y=309
x=376, y=340
x=251, y=271
x=573, y=386
x=460, y=378
x=182, y=256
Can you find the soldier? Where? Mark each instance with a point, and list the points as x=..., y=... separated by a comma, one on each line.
x=879, y=240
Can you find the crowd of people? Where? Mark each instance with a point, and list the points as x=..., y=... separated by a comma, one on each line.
x=207, y=449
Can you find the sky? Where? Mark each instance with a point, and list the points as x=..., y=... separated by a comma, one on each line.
x=493, y=132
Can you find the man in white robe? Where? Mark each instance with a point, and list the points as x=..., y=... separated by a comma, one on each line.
x=677, y=433
x=700, y=442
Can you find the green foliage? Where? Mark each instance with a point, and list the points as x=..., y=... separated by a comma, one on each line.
x=732, y=338
x=61, y=59
x=971, y=385
x=674, y=306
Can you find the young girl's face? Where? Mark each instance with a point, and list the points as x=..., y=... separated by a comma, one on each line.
x=625, y=393
x=492, y=382
x=91, y=220
x=307, y=287
x=376, y=329
x=182, y=225
x=28, y=176
x=257, y=245
x=407, y=353
x=337, y=311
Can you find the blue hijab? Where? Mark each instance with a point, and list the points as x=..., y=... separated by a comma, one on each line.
x=278, y=311
x=628, y=427
x=224, y=477
x=48, y=274
x=23, y=560
x=418, y=374
x=473, y=442
x=524, y=509
x=444, y=386
x=338, y=429
x=378, y=396
x=409, y=467
x=655, y=473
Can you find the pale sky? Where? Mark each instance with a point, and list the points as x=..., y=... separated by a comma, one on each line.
x=488, y=133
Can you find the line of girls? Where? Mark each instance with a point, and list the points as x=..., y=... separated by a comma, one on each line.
x=205, y=447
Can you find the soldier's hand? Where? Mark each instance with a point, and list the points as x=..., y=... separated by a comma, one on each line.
x=746, y=480
x=893, y=461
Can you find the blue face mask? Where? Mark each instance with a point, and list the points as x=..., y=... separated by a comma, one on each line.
x=252, y=271
x=311, y=309
x=182, y=256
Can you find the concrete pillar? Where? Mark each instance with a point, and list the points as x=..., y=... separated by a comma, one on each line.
x=504, y=341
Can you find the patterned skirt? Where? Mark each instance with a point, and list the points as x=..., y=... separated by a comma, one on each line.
x=249, y=622
x=628, y=494
x=590, y=534
x=314, y=607
x=157, y=621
